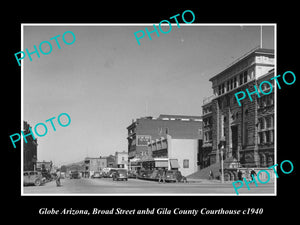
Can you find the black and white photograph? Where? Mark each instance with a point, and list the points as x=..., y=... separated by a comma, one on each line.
x=149, y=113
x=117, y=115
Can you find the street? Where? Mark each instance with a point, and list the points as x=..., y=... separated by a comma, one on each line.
x=107, y=186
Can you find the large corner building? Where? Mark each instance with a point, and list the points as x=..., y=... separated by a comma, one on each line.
x=246, y=130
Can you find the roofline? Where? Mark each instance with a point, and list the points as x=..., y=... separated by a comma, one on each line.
x=256, y=50
x=178, y=116
x=162, y=116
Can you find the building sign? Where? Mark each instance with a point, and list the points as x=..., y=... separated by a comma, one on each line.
x=143, y=140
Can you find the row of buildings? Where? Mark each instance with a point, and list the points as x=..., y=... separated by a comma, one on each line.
x=90, y=165
x=87, y=167
x=244, y=134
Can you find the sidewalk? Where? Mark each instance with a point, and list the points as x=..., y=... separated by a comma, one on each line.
x=206, y=181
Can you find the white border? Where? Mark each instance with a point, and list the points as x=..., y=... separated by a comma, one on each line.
x=150, y=24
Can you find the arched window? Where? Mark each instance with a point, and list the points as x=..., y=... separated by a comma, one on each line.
x=263, y=160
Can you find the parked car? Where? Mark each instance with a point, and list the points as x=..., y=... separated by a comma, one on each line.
x=74, y=175
x=111, y=172
x=33, y=177
x=96, y=175
x=107, y=172
x=175, y=176
x=46, y=175
x=132, y=174
x=120, y=174
x=145, y=174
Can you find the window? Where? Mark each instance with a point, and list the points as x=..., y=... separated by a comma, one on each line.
x=261, y=138
x=227, y=86
x=234, y=82
x=223, y=88
x=200, y=132
x=269, y=100
x=268, y=122
x=245, y=76
x=185, y=163
x=219, y=93
x=271, y=136
x=268, y=139
x=262, y=123
x=241, y=79
x=246, y=133
x=271, y=97
x=231, y=84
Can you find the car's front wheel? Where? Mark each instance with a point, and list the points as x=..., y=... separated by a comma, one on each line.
x=37, y=182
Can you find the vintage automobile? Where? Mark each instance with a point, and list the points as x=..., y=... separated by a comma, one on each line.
x=112, y=172
x=74, y=174
x=145, y=174
x=108, y=172
x=175, y=176
x=132, y=174
x=120, y=174
x=96, y=175
x=33, y=177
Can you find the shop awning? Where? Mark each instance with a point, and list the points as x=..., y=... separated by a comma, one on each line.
x=174, y=164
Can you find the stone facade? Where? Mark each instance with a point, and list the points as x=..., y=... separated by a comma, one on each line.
x=248, y=130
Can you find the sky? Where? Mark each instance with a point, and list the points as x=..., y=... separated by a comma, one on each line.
x=105, y=79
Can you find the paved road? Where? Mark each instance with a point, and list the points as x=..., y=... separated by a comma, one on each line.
x=136, y=186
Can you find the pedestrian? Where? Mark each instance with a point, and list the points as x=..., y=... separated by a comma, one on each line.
x=164, y=176
x=252, y=173
x=160, y=176
x=58, y=175
x=240, y=175
x=211, y=175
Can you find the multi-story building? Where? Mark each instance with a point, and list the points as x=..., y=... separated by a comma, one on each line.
x=174, y=154
x=147, y=130
x=110, y=160
x=93, y=165
x=204, y=159
x=30, y=150
x=121, y=159
x=248, y=130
